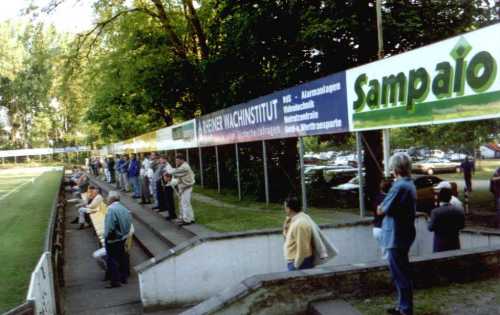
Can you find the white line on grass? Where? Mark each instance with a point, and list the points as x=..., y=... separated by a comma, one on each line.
x=17, y=188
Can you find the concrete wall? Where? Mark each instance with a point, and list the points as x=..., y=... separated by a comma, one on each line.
x=199, y=269
x=289, y=293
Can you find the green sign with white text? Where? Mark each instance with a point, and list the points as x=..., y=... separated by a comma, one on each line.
x=452, y=80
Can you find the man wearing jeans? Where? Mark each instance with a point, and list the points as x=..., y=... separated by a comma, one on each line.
x=133, y=176
x=398, y=230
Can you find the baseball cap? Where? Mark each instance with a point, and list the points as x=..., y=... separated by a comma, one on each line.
x=443, y=185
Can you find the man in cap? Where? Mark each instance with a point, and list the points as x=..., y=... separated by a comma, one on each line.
x=454, y=201
x=446, y=222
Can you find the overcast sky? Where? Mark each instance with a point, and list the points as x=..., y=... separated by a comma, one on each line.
x=72, y=16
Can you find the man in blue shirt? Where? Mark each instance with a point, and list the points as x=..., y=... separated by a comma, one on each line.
x=123, y=167
x=134, y=169
x=398, y=230
x=116, y=230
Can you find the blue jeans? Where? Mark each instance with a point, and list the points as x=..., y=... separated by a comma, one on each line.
x=399, y=265
x=136, y=188
x=306, y=264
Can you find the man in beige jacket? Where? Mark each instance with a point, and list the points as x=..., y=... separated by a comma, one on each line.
x=93, y=200
x=185, y=182
x=305, y=245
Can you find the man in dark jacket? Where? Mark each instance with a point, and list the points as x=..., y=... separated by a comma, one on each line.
x=446, y=223
x=468, y=169
x=495, y=190
x=111, y=168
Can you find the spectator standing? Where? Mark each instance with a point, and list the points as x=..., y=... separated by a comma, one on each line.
x=123, y=165
x=111, y=169
x=398, y=230
x=133, y=176
x=87, y=164
x=116, y=230
x=305, y=245
x=446, y=223
x=153, y=161
x=145, y=192
x=495, y=190
x=160, y=166
x=117, y=172
x=185, y=176
x=93, y=165
x=468, y=168
x=107, y=174
x=166, y=199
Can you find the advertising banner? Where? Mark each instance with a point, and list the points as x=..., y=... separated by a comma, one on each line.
x=180, y=136
x=317, y=107
x=146, y=142
x=452, y=80
x=128, y=146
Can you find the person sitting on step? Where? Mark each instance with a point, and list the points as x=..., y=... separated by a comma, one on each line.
x=94, y=199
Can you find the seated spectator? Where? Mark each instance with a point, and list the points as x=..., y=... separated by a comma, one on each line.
x=81, y=184
x=94, y=200
x=454, y=200
x=446, y=222
x=167, y=189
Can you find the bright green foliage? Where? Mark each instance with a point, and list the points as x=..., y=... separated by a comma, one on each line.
x=39, y=112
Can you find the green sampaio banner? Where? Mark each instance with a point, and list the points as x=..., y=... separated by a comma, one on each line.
x=452, y=80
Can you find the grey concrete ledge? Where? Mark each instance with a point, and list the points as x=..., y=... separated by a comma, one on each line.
x=481, y=231
x=252, y=284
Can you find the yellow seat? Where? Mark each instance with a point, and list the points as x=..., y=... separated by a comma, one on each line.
x=97, y=219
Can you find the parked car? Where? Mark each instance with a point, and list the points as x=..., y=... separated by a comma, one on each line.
x=437, y=154
x=424, y=184
x=434, y=165
x=456, y=157
x=330, y=174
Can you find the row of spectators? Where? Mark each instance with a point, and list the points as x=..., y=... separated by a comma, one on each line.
x=151, y=178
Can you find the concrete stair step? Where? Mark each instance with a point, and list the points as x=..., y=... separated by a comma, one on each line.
x=149, y=241
x=332, y=307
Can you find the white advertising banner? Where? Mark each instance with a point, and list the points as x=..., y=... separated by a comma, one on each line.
x=449, y=81
x=180, y=136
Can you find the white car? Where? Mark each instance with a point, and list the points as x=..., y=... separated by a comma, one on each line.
x=434, y=165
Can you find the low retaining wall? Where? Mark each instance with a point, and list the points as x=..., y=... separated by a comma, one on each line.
x=200, y=268
x=290, y=292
